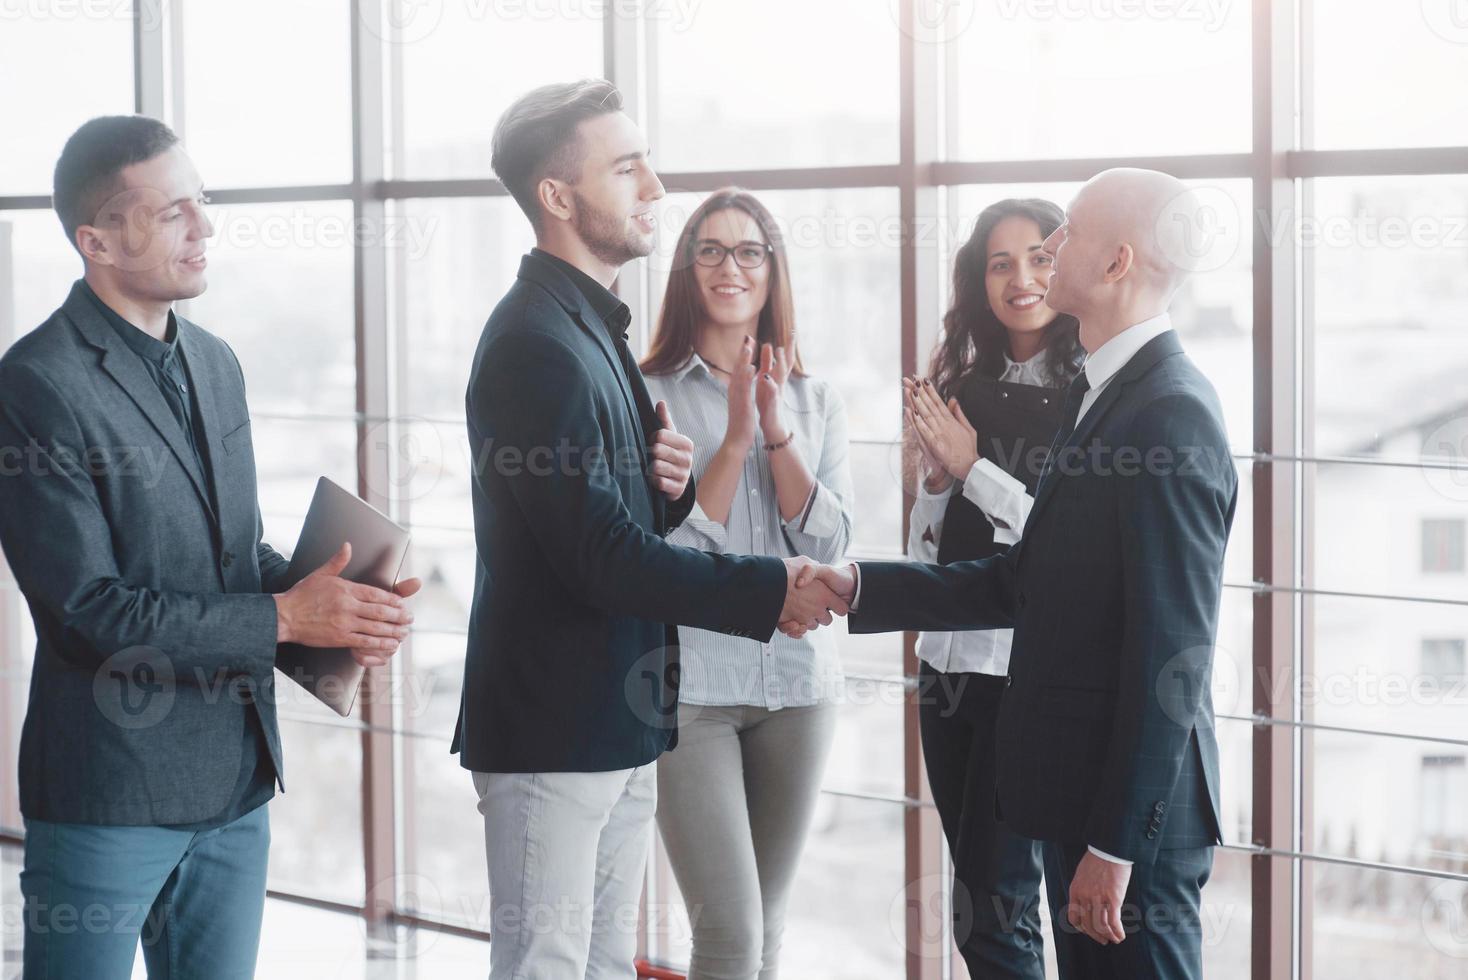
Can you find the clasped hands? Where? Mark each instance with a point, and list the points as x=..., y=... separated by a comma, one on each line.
x=948, y=442
x=814, y=594
x=325, y=610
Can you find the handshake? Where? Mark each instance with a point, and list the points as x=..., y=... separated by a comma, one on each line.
x=813, y=594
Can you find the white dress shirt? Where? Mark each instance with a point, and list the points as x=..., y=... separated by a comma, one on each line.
x=1112, y=356
x=1100, y=368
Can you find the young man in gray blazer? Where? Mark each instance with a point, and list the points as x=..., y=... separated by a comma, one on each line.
x=128, y=514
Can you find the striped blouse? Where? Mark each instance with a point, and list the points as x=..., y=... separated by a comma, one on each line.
x=728, y=670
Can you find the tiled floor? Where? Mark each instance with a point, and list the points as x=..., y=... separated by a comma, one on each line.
x=297, y=943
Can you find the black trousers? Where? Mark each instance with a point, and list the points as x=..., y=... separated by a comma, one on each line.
x=1160, y=915
x=996, y=873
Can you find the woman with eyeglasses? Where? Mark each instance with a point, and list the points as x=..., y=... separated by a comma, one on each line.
x=998, y=329
x=756, y=719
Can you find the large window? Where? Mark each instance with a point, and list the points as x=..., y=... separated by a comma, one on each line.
x=266, y=91
x=357, y=258
x=765, y=83
x=1054, y=80
x=81, y=57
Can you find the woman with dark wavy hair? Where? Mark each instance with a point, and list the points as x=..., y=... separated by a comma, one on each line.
x=755, y=719
x=998, y=328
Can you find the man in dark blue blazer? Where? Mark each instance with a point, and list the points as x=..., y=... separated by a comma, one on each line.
x=129, y=516
x=1106, y=748
x=570, y=681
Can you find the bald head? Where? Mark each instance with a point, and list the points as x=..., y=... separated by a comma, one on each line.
x=1123, y=250
x=1151, y=212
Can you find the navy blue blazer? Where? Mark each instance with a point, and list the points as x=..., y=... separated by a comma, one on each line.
x=573, y=647
x=1105, y=732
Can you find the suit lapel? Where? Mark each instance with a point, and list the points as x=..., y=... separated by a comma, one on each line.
x=1143, y=361
x=126, y=369
x=544, y=274
x=635, y=395
x=593, y=325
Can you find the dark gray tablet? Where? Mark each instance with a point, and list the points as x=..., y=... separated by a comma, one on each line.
x=378, y=548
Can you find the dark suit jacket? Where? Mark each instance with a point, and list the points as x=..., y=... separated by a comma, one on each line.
x=572, y=653
x=153, y=635
x=1105, y=734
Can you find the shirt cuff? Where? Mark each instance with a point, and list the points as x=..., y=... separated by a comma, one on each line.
x=856, y=593
x=698, y=521
x=923, y=493
x=1108, y=857
x=1001, y=497
x=822, y=516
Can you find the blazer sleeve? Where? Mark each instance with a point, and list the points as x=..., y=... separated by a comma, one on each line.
x=678, y=510
x=1175, y=521
x=533, y=402
x=966, y=595
x=273, y=565
x=59, y=544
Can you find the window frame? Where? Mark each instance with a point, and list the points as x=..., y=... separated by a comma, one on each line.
x=1279, y=166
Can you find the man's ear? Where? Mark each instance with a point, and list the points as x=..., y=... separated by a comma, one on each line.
x=93, y=245
x=555, y=199
x=1121, y=262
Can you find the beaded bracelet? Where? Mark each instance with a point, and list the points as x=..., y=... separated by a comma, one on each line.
x=772, y=446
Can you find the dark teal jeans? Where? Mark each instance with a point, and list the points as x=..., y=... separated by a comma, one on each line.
x=193, y=899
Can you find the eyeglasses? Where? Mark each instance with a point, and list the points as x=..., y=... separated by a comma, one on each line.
x=747, y=255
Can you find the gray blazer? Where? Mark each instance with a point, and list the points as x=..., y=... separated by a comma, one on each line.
x=153, y=633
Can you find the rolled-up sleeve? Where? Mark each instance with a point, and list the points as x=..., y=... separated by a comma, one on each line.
x=700, y=531
x=1001, y=497
x=823, y=530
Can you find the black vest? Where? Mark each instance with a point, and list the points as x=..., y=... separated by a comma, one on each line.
x=1017, y=424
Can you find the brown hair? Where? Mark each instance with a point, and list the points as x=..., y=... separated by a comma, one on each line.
x=537, y=137
x=683, y=308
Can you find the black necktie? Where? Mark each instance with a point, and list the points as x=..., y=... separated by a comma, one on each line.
x=1075, y=395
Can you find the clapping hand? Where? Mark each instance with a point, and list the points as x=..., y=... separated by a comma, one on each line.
x=944, y=433
x=820, y=587
x=774, y=371
x=743, y=415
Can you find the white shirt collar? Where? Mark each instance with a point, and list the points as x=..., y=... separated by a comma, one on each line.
x=694, y=361
x=1113, y=355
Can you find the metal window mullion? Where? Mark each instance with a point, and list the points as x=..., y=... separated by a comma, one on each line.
x=1275, y=531
x=374, y=399
x=928, y=944
x=151, y=53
